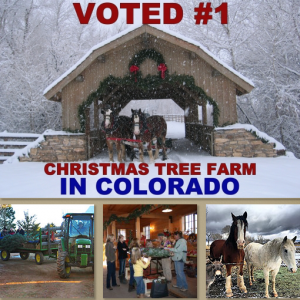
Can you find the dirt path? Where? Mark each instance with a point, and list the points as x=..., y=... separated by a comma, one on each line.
x=25, y=279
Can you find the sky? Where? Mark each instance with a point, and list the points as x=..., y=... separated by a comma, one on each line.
x=270, y=221
x=48, y=213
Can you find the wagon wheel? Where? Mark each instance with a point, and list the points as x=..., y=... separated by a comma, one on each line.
x=5, y=255
x=63, y=269
x=24, y=255
x=39, y=258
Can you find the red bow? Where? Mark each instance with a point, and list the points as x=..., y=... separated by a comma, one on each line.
x=134, y=69
x=163, y=68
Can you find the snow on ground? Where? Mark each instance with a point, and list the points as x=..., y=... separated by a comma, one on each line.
x=275, y=177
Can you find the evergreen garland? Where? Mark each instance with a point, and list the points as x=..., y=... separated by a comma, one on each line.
x=145, y=85
x=135, y=214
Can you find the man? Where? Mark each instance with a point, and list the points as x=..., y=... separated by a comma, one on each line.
x=20, y=230
x=166, y=262
x=179, y=258
x=4, y=232
x=82, y=229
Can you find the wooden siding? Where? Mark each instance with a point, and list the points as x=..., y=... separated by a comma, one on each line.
x=178, y=60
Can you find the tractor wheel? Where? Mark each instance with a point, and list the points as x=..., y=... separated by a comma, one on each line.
x=5, y=255
x=24, y=255
x=39, y=258
x=63, y=270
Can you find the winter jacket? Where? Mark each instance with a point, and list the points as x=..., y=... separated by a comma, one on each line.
x=122, y=254
x=139, y=267
x=110, y=252
x=180, y=250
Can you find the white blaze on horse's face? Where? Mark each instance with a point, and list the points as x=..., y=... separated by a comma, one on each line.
x=136, y=122
x=107, y=117
x=240, y=234
x=287, y=253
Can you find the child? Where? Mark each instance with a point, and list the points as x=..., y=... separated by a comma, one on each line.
x=139, y=265
x=122, y=255
x=133, y=244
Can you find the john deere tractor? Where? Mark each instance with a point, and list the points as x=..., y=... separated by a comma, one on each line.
x=77, y=243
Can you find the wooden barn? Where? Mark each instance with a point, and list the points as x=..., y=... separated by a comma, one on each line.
x=145, y=222
x=147, y=62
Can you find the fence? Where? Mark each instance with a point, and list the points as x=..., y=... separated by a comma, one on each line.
x=174, y=118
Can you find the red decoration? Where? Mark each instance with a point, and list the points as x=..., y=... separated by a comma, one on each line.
x=162, y=68
x=134, y=69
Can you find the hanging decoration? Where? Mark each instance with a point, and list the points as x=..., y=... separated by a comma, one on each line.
x=135, y=214
x=162, y=68
x=134, y=69
x=141, y=56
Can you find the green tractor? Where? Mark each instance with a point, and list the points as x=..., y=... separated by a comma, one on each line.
x=77, y=243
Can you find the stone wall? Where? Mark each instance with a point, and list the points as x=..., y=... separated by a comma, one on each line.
x=58, y=148
x=241, y=143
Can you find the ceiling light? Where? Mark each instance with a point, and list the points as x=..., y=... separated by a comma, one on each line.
x=166, y=210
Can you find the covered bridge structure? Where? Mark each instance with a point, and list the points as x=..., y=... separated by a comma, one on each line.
x=148, y=62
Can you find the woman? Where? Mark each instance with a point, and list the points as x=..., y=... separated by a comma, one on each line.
x=11, y=231
x=122, y=255
x=133, y=244
x=179, y=258
x=110, y=253
x=139, y=265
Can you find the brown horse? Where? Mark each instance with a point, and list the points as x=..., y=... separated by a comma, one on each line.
x=148, y=129
x=116, y=128
x=232, y=251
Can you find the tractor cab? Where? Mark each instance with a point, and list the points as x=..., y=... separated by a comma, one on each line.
x=77, y=243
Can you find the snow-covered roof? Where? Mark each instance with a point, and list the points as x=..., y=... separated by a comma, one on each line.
x=67, y=75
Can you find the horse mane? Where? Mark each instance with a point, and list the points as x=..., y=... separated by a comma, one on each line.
x=231, y=234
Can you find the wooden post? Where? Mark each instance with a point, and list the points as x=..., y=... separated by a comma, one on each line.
x=96, y=114
x=138, y=228
x=88, y=132
x=204, y=113
x=113, y=227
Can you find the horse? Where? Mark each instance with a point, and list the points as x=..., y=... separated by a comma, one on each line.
x=269, y=256
x=213, y=271
x=116, y=128
x=232, y=251
x=146, y=130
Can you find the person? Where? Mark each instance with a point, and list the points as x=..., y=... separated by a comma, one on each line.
x=82, y=229
x=122, y=255
x=165, y=262
x=20, y=230
x=11, y=231
x=138, y=266
x=110, y=253
x=179, y=258
x=133, y=244
x=4, y=232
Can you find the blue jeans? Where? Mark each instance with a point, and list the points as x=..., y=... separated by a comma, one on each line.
x=140, y=285
x=111, y=273
x=180, y=276
x=131, y=280
x=122, y=263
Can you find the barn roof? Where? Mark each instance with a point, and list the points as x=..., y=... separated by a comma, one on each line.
x=244, y=83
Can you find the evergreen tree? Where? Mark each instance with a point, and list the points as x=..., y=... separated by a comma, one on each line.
x=29, y=225
x=7, y=217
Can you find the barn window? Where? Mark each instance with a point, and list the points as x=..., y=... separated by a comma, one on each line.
x=190, y=223
x=146, y=230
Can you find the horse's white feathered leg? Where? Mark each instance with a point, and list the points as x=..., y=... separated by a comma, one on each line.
x=266, y=275
x=110, y=150
x=241, y=284
x=141, y=152
x=228, y=286
x=274, y=273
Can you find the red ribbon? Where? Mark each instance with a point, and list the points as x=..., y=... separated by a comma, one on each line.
x=162, y=68
x=134, y=69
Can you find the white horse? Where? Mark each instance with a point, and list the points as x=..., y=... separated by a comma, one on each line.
x=269, y=257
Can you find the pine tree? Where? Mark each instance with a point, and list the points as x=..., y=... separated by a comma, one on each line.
x=29, y=225
x=7, y=217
